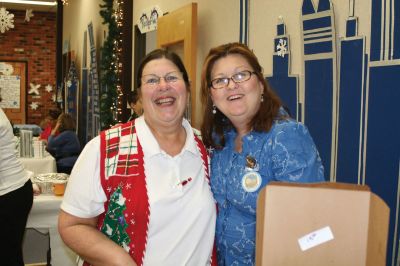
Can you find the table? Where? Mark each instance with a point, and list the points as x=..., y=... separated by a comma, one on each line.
x=38, y=165
x=43, y=217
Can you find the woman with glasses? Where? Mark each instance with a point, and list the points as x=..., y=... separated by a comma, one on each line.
x=253, y=141
x=139, y=193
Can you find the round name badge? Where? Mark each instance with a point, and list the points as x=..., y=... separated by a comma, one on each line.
x=251, y=181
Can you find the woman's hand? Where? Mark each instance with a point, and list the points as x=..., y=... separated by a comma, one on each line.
x=56, y=128
x=36, y=189
x=83, y=237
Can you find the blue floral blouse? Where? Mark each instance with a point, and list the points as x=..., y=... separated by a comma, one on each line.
x=285, y=153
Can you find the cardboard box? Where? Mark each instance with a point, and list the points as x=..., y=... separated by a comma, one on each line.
x=334, y=223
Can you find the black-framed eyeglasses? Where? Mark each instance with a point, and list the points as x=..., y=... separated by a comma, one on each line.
x=152, y=80
x=239, y=77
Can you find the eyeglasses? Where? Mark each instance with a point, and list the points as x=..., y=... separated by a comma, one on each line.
x=239, y=77
x=152, y=80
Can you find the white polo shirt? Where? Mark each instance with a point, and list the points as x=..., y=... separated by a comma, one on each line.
x=182, y=217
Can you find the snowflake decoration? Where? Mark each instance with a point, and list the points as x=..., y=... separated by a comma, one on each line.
x=6, y=69
x=49, y=88
x=281, y=47
x=69, y=83
x=34, y=89
x=128, y=186
x=6, y=20
x=28, y=15
x=34, y=105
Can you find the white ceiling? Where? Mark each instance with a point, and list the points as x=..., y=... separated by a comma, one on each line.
x=38, y=8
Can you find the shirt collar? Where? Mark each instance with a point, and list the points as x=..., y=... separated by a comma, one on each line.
x=150, y=145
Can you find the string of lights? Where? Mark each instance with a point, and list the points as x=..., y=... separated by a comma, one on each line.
x=119, y=18
x=111, y=65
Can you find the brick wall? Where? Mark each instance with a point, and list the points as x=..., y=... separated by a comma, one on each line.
x=35, y=43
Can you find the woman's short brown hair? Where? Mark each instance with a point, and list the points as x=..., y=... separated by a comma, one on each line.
x=67, y=122
x=218, y=123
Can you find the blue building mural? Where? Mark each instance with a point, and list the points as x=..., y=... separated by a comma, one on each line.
x=382, y=122
x=320, y=79
x=353, y=116
x=71, y=92
x=351, y=111
x=244, y=21
x=285, y=84
x=93, y=119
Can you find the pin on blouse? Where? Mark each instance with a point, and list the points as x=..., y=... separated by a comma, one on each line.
x=251, y=180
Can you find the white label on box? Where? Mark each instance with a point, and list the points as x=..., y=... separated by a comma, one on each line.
x=315, y=238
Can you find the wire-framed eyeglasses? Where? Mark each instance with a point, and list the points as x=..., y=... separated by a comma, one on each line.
x=152, y=80
x=239, y=77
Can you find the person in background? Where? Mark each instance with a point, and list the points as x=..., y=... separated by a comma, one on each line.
x=139, y=193
x=48, y=123
x=16, y=197
x=135, y=104
x=65, y=146
x=253, y=142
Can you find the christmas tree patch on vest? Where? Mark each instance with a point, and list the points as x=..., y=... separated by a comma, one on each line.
x=115, y=225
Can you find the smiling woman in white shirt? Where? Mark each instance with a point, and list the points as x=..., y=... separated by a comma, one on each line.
x=139, y=193
x=16, y=196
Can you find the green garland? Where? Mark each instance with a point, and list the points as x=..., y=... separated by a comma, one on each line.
x=109, y=77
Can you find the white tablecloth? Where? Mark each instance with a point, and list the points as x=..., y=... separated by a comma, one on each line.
x=44, y=216
x=43, y=165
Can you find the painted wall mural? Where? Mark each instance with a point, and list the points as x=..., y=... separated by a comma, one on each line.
x=93, y=120
x=244, y=21
x=283, y=82
x=351, y=97
x=71, y=93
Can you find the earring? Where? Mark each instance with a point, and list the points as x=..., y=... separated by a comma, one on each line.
x=262, y=97
x=214, y=110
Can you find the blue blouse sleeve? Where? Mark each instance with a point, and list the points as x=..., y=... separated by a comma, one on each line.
x=56, y=141
x=294, y=155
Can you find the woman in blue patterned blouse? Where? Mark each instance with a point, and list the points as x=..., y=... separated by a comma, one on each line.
x=253, y=142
